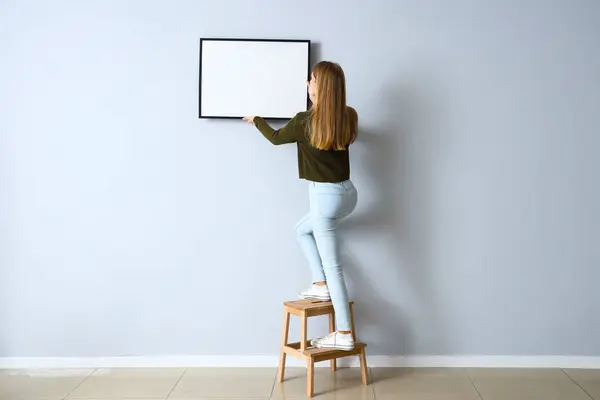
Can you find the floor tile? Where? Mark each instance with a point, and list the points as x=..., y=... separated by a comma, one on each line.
x=124, y=383
x=240, y=384
x=588, y=379
x=345, y=383
x=225, y=382
x=423, y=384
x=519, y=373
x=525, y=384
x=39, y=384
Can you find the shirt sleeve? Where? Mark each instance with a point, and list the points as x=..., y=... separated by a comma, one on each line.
x=290, y=133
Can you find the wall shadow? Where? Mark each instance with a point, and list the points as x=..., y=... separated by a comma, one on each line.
x=315, y=53
x=398, y=178
x=7, y=261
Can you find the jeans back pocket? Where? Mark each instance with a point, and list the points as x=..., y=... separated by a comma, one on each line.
x=329, y=205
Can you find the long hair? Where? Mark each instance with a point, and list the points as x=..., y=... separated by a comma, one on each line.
x=333, y=125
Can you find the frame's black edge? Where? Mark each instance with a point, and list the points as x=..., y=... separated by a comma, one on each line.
x=240, y=118
x=308, y=76
x=257, y=40
x=200, y=82
x=200, y=116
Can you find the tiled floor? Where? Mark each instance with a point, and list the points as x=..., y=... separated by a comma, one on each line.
x=212, y=383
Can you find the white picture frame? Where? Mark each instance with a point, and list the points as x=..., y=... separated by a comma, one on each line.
x=253, y=77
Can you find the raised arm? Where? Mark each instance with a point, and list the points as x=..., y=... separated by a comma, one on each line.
x=290, y=133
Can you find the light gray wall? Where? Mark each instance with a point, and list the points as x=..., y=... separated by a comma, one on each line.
x=130, y=227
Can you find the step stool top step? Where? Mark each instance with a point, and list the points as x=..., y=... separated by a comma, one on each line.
x=307, y=305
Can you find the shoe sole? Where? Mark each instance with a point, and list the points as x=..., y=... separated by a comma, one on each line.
x=344, y=348
x=304, y=297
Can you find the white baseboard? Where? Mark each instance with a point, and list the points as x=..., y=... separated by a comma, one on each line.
x=486, y=361
x=258, y=361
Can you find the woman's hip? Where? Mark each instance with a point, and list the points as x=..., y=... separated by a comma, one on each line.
x=332, y=200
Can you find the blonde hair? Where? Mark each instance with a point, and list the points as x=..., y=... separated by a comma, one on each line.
x=333, y=124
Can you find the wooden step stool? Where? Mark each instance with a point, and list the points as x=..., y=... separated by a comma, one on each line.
x=312, y=308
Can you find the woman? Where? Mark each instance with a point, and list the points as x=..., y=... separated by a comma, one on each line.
x=323, y=135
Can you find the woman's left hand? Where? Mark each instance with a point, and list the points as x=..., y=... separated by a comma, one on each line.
x=249, y=119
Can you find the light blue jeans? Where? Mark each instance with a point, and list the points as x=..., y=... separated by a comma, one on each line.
x=317, y=234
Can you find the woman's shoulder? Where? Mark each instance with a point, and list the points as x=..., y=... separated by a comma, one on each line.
x=304, y=114
x=303, y=117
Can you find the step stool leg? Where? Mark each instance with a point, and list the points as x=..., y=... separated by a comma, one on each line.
x=364, y=369
x=303, y=331
x=352, y=321
x=310, y=378
x=284, y=342
x=333, y=361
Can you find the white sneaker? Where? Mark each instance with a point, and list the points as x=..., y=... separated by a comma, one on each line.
x=316, y=292
x=335, y=340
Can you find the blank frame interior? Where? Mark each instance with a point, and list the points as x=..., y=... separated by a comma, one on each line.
x=258, y=77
